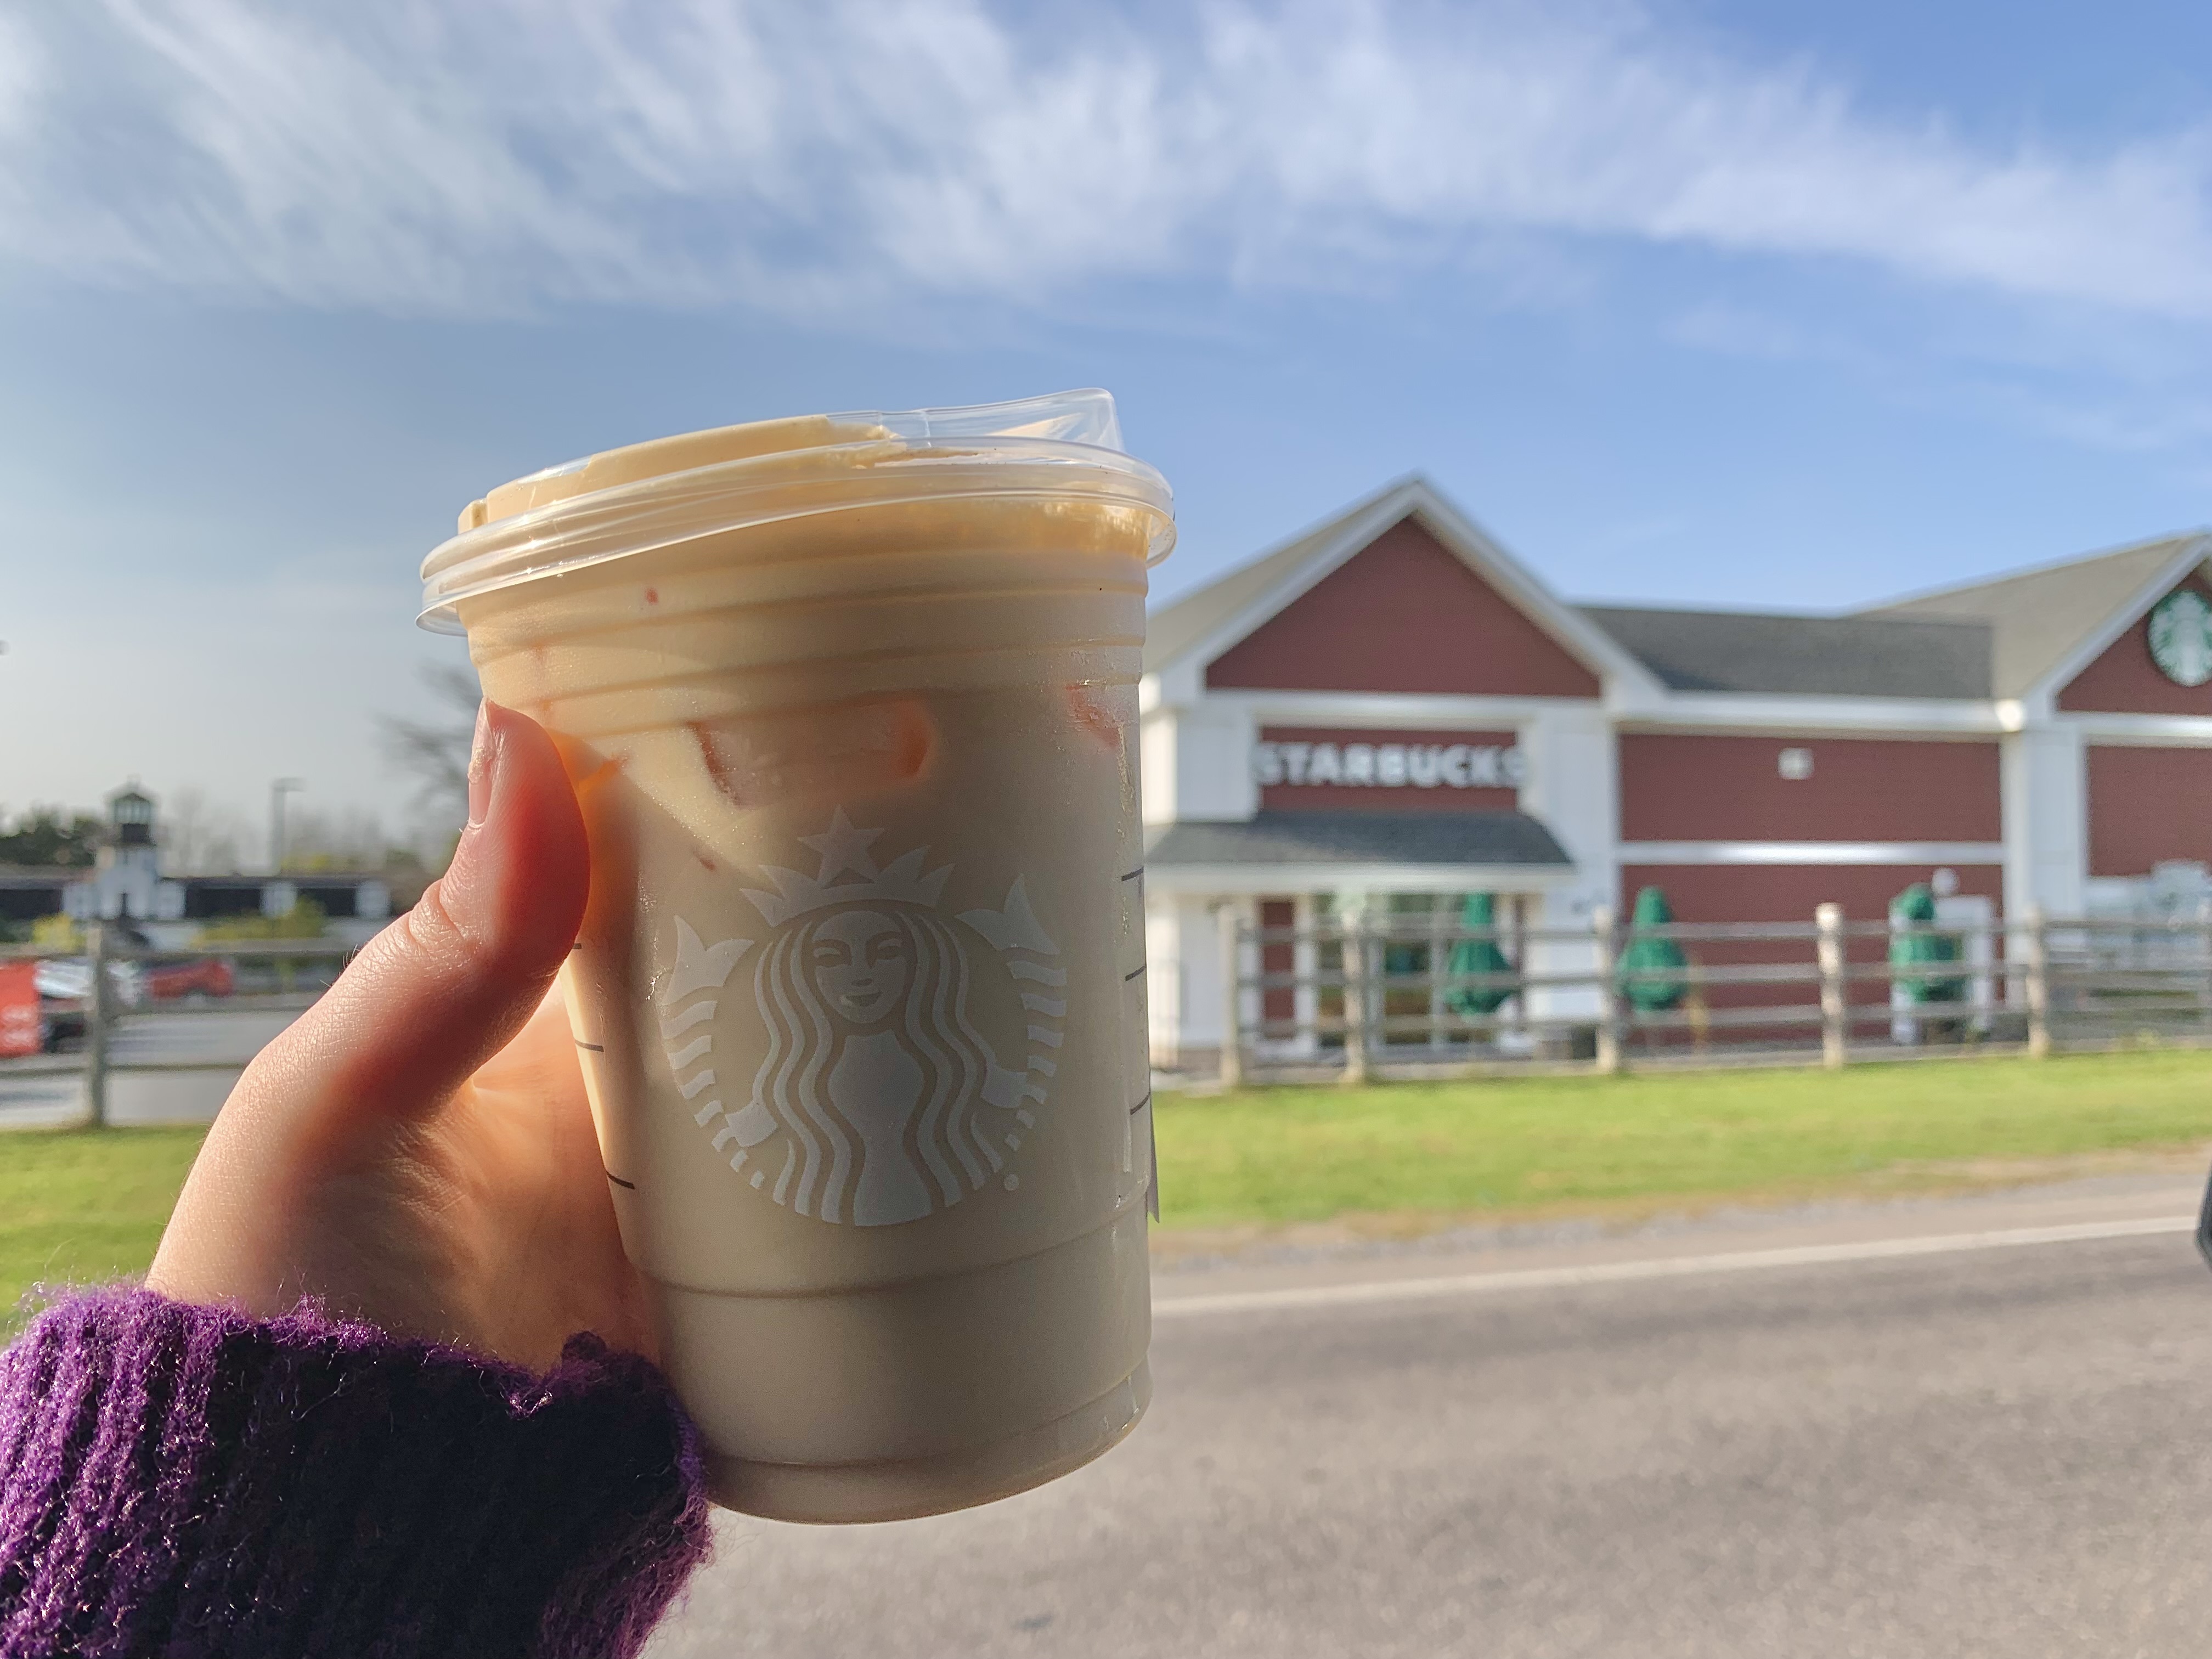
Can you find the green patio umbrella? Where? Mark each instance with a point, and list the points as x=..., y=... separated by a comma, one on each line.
x=1915, y=908
x=1649, y=955
x=1404, y=956
x=1479, y=955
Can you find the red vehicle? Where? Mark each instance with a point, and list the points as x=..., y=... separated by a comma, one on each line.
x=23, y=1026
x=210, y=976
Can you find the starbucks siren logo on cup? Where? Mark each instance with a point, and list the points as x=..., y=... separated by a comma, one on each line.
x=870, y=1094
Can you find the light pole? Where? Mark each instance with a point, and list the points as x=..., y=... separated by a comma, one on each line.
x=278, y=790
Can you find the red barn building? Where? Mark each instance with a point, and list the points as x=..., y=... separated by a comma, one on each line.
x=1391, y=712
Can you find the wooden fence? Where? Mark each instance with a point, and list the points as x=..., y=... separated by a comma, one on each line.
x=1351, y=1001
x=269, y=975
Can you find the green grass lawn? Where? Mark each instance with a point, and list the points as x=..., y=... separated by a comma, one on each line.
x=1290, y=1155
x=79, y=1206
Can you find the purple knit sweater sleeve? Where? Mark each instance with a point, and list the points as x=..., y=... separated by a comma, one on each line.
x=189, y=1483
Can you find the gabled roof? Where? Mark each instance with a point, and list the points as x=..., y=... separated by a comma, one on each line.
x=1803, y=655
x=2000, y=638
x=2039, y=620
x=1177, y=626
x=1248, y=595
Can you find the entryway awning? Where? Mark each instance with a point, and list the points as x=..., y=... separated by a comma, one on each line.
x=1374, y=852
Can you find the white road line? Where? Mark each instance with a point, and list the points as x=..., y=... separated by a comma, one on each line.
x=1683, y=1266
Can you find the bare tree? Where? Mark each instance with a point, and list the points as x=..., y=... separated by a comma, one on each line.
x=351, y=838
x=436, y=752
x=200, y=837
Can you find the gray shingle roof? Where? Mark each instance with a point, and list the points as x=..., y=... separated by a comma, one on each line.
x=1816, y=656
x=1990, y=639
x=1359, y=838
x=2038, y=617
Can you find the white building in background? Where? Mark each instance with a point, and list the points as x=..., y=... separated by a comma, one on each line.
x=1391, y=713
x=127, y=885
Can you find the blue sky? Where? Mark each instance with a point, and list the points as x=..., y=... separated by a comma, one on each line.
x=1698, y=300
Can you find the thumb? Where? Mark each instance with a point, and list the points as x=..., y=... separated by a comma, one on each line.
x=440, y=992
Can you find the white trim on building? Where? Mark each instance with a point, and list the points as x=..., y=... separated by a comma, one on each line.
x=1813, y=852
x=2039, y=629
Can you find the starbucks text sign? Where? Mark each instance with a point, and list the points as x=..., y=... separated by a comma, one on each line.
x=1361, y=761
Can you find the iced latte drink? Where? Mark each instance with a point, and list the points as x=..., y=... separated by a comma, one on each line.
x=850, y=706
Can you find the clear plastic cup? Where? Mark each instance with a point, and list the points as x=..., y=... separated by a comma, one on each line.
x=850, y=705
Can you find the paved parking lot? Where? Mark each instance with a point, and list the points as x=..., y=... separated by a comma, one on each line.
x=34, y=1093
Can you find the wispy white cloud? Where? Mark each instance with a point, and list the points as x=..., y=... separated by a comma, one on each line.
x=2115, y=382
x=21, y=70
x=419, y=157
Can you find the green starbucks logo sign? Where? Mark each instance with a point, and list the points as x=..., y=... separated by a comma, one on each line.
x=2181, y=637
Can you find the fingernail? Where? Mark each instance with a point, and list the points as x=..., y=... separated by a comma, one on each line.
x=484, y=756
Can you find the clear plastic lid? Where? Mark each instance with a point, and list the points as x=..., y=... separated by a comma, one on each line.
x=1066, y=444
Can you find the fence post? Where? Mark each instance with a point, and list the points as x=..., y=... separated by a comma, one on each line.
x=1835, y=988
x=1608, y=1000
x=1355, y=998
x=2204, y=977
x=1228, y=928
x=95, y=1025
x=2039, y=982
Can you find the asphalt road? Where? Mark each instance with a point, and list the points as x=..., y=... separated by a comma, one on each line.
x=1972, y=1451
x=48, y=1090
